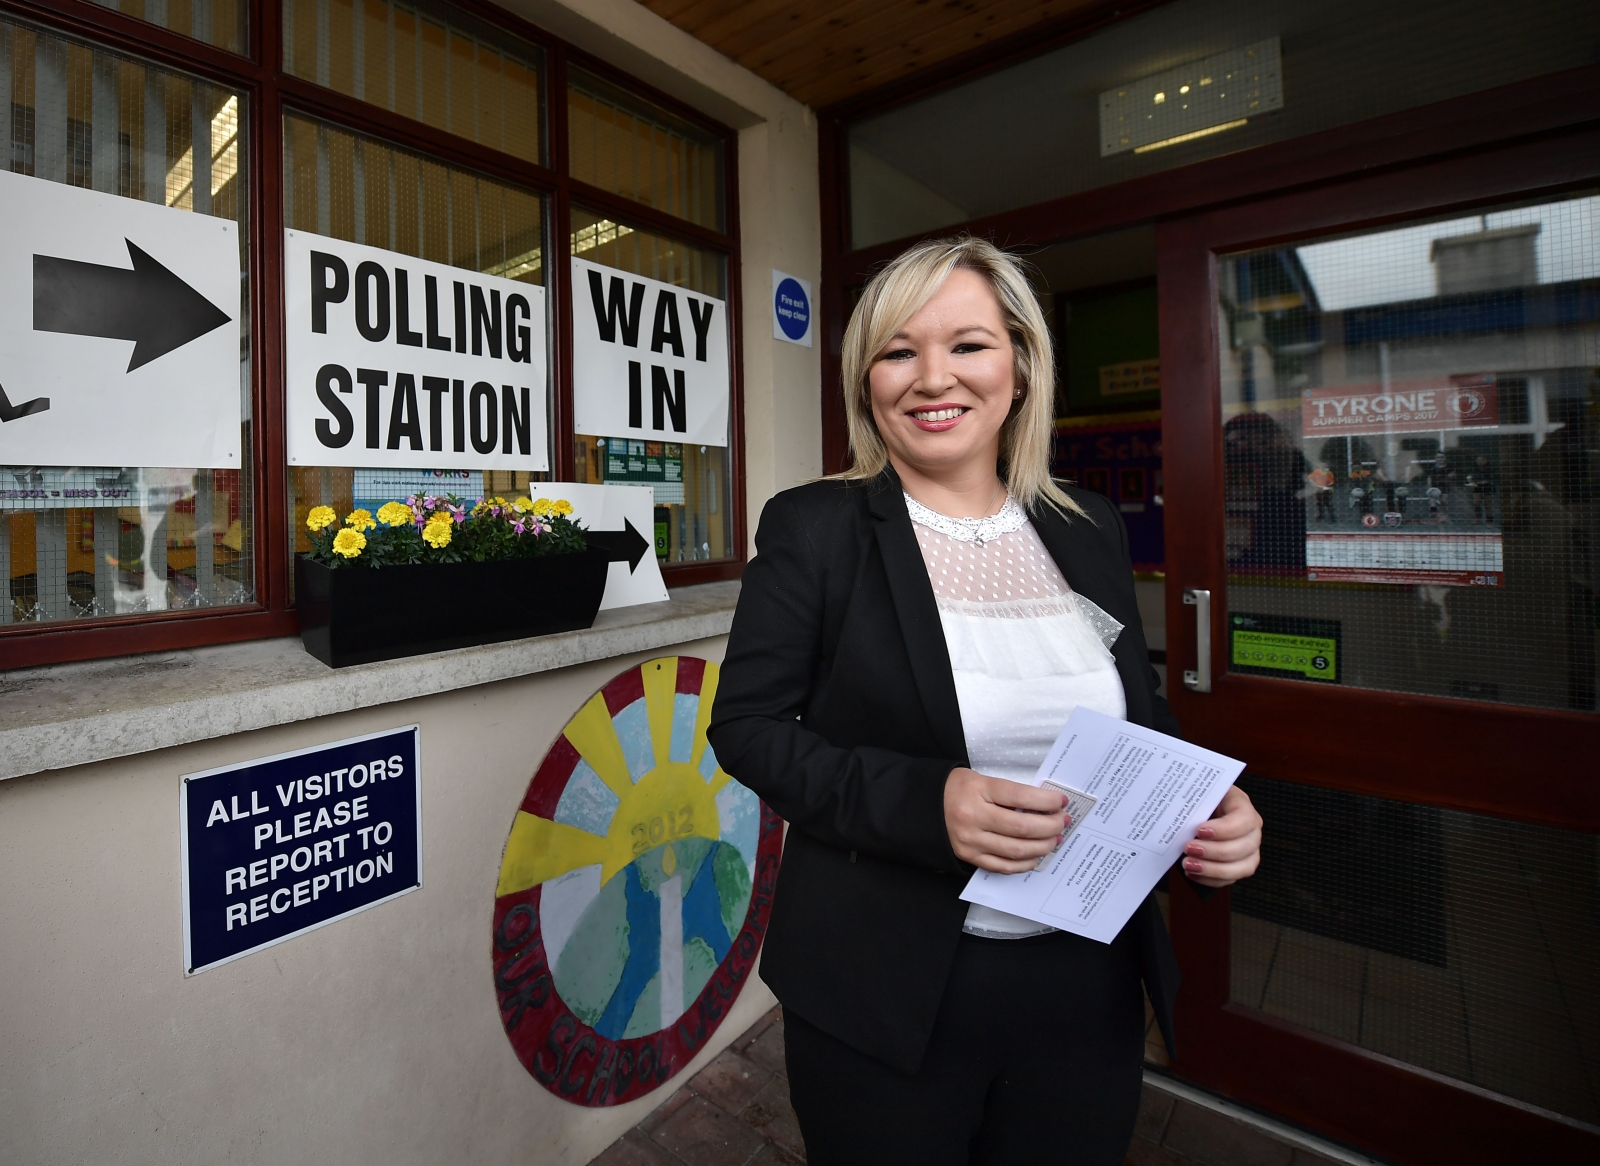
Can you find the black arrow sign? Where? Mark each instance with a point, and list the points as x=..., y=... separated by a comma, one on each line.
x=148, y=305
x=621, y=546
x=10, y=412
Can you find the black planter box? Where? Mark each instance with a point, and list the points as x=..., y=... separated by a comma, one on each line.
x=355, y=615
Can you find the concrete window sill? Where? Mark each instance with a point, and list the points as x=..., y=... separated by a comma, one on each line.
x=74, y=714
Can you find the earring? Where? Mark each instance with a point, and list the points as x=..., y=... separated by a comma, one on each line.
x=1017, y=394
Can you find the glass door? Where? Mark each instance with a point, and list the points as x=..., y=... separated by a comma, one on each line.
x=1383, y=464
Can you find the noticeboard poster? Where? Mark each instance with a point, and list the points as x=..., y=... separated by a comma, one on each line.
x=1396, y=490
x=1119, y=455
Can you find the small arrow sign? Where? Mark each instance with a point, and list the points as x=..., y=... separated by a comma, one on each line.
x=621, y=546
x=148, y=305
x=10, y=412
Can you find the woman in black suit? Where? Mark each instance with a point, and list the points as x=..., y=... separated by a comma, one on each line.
x=911, y=634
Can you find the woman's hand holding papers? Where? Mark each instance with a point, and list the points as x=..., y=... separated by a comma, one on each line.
x=1000, y=825
x=1225, y=849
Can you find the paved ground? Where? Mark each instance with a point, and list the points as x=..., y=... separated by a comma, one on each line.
x=734, y=1112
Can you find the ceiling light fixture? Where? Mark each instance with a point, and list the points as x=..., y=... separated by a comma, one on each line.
x=1137, y=116
x=1191, y=136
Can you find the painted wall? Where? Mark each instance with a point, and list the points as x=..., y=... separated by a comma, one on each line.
x=376, y=1039
x=779, y=212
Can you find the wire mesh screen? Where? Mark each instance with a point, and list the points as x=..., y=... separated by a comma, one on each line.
x=1412, y=489
x=1463, y=944
x=347, y=186
x=427, y=61
x=152, y=538
x=1342, y=61
x=216, y=22
x=693, y=491
x=630, y=147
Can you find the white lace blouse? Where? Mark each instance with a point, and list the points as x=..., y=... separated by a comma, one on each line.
x=1025, y=650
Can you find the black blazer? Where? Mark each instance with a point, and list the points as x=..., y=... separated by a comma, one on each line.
x=837, y=705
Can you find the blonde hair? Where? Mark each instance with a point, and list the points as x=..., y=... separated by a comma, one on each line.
x=896, y=294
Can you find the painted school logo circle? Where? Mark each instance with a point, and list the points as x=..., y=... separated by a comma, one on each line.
x=634, y=891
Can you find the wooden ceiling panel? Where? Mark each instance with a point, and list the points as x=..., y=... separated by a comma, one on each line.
x=826, y=51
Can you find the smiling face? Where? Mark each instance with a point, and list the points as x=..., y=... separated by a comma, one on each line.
x=942, y=386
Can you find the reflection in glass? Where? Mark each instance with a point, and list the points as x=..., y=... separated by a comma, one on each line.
x=1463, y=944
x=692, y=488
x=216, y=22
x=135, y=539
x=1411, y=419
x=1037, y=124
x=362, y=190
x=629, y=146
x=426, y=60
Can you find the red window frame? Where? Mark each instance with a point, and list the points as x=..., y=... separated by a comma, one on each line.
x=270, y=93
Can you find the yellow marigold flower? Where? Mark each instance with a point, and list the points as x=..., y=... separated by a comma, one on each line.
x=544, y=508
x=440, y=516
x=522, y=505
x=395, y=514
x=320, y=517
x=360, y=520
x=563, y=507
x=437, y=534
x=349, y=543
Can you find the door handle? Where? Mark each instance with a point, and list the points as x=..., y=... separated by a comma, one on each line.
x=1198, y=678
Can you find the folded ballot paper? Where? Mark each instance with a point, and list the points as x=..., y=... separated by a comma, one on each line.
x=1141, y=795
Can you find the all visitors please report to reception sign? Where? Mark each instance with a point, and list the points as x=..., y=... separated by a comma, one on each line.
x=280, y=845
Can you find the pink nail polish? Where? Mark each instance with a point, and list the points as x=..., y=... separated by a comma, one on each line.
x=1069, y=819
x=1192, y=866
x=1205, y=832
x=1195, y=849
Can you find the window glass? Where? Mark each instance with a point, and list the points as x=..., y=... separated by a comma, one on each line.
x=630, y=147
x=217, y=22
x=1462, y=944
x=156, y=538
x=427, y=61
x=1410, y=422
x=348, y=186
x=692, y=488
x=1338, y=61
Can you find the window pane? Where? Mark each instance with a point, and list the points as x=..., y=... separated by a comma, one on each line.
x=1463, y=944
x=348, y=186
x=217, y=22
x=427, y=61
x=1410, y=422
x=630, y=147
x=692, y=487
x=163, y=538
x=1048, y=127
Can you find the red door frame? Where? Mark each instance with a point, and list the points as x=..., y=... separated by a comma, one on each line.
x=1440, y=752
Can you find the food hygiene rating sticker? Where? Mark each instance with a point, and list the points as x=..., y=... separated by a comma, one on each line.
x=1267, y=645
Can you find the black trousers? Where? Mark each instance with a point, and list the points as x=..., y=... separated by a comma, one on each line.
x=1035, y=1059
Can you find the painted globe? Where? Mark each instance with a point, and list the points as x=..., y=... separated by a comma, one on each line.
x=634, y=890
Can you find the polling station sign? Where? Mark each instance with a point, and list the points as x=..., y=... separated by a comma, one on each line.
x=399, y=363
x=276, y=847
x=119, y=331
x=649, y=359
